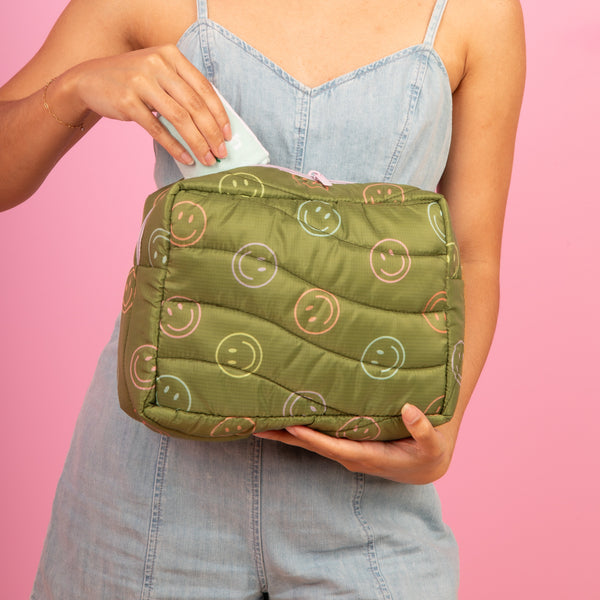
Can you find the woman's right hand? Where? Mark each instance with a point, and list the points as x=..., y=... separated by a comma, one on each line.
x=135, y=85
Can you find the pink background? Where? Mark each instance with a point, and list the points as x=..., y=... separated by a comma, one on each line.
x=522, y=494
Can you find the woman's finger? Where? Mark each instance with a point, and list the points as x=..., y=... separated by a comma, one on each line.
x=421, y=430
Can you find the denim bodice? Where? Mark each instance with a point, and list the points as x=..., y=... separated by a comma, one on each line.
x=386, y=121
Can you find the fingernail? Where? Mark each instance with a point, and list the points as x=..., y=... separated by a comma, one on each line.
x=209, y=159
x=186, y=158
x=227, y=132
x=410, y=414
x=222, y=151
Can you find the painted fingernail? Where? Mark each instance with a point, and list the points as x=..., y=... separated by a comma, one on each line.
x=186, y=158
x=209, y=159
x=227, y=131
x=410, y=414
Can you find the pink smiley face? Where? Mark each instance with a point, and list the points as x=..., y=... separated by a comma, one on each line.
x=316, y=311
x=376, y=192
x=180, y=316
x=390, y=260
x=434, y=312
x=129, y=293
x=435, y=406
x=234, y=427
x=360, y=429
x=188, y=223
x=142, y=368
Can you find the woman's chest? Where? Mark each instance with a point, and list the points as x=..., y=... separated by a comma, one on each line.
x=313, y=41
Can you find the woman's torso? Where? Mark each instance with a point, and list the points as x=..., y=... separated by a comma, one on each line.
x=379, y=113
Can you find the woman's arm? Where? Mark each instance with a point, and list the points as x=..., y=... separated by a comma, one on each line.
x=96, y=51
x=476, y=181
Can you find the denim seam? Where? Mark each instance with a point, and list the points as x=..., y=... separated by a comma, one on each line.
x=301, y=125
x=415, y=87
x=155, y=517
x=255, y=512
x=382, y=586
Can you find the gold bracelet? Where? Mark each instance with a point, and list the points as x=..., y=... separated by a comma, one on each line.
x=47, y=107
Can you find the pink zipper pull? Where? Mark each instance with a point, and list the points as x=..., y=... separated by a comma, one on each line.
x=316, y=176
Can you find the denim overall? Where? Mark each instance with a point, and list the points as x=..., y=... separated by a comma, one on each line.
x=142, y=516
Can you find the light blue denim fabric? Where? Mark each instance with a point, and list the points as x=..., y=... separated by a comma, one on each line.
x=142, y=516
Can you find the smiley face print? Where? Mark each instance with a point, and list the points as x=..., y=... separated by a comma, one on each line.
x=359, y=428
x=173, y=392
x=434, y=312
x=457, y=360
x=239, y=354
x=245, y=184
x=142, y=367
x=158, y=247
x=179, y=317
x=383, y=357
x=318, y=218
x=234, y=426
x=376, y=192
x=390, y=260
x=305, y=403
x=129, y=293
x=316, y=311
x=436, y=220
x=188, y=223
x=254, y=265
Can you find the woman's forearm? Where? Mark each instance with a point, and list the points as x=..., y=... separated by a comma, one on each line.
x=481, y=313
x=33, y=140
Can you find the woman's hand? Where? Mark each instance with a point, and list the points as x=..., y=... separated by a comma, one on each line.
x=423, y=458
x=134, y=85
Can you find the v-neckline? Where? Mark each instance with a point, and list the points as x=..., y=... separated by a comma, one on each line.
x=408, y=50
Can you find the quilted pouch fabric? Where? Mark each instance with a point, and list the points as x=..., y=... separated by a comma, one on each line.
x=260, y=298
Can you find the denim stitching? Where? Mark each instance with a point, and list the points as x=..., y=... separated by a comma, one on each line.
x=301, y=124
x=382, y=586
x=155, y=515
x=255, y=512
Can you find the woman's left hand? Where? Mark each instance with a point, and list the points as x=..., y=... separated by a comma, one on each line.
x=422, y=458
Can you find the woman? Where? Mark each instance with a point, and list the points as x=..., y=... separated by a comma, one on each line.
x=425, y=93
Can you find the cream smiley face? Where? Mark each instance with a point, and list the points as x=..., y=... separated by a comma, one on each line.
x=383, y=357
x=305, y=403
x=142, y=367
x=188, y=223
x=376, y=192
x=360, y=429
x=390, y=260
x=234, y=427
x=436, y=220
x=158, y=247
x=245, y=184
x=434, y=312
x=129, y=293
x=457, y=360
x=254, y=265
x=180, y=316
x=453, y=258
x=316, y=311
x=172, y=392
x=239, y=354
x=318, y=218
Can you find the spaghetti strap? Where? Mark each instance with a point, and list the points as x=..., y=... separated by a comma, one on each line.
x=434, y=22
x=202, y=9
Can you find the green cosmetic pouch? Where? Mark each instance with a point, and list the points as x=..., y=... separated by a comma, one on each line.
x=261, y=298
